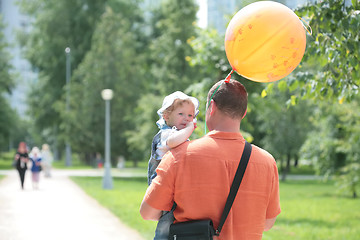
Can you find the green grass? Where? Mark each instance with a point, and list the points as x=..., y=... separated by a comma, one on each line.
x=75, y=163
x=123, y=200
x=302, y=170
x=311, y=210
x=6, y=160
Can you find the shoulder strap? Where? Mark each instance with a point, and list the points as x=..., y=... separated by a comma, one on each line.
x=235, y=185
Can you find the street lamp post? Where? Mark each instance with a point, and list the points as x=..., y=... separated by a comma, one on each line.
x=107, y=95
x=68, y=71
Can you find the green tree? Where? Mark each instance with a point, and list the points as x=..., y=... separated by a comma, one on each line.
x=332, y=57
x=283, y=124
x=6, y=79
x=330, y=75
x=56, y=25
x=333, y=144
x=171, y=26
x=8, y=116
x=113, y=62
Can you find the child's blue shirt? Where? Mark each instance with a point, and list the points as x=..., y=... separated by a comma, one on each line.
x=158, y=149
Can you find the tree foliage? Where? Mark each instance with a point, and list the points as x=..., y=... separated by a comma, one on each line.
x=56, y=25
x=8, y=116
x=330, y=67
x=172, y=25
x=281, y=128
x=112, y=62
x=333, y=143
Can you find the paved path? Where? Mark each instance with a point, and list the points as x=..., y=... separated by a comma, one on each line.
x=59, y=210
x=115, y=172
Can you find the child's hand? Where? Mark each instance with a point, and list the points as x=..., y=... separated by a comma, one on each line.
x=195, y=121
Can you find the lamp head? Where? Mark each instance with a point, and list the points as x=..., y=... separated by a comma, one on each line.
x=107, y=94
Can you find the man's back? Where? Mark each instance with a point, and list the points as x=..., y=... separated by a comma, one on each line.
x=198, y=175
x=202, y=175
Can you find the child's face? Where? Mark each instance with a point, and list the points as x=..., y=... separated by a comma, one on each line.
x=181, y=116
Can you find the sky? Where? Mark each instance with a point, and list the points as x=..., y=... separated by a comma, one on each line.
x=202, y=13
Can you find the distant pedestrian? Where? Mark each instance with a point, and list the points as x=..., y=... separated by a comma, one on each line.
x=121, y=162
x=21, y=159
x=47, y=159
x=99, y=160
x=35, y=158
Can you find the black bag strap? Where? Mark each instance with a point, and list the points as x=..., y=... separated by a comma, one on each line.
x=235, y=185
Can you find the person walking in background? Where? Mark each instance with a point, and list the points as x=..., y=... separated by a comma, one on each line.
x=197, y=175
x=99, y=160
x=35, y=158
x=47, y=159
x=177, y=122
x=21, y=159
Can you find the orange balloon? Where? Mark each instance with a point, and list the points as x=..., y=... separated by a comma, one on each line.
x=265, y=41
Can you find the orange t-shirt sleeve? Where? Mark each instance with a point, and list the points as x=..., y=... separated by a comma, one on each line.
x=273, y=208
x=160, y=193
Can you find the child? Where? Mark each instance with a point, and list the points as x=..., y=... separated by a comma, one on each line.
x=35, y=158
x=177, y=122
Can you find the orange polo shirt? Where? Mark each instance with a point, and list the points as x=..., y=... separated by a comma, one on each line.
x=197, y=175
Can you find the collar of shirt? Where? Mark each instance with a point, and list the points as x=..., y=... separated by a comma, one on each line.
x=225, y=135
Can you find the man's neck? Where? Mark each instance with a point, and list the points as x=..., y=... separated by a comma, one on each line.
x=227, y=125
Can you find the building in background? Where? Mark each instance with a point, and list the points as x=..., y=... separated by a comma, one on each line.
x=219, y=12
x=13, y=22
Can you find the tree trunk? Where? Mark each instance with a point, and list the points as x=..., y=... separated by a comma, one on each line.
x=135, y=163
x=288, y=163
x=296, y=161
x=285, y=170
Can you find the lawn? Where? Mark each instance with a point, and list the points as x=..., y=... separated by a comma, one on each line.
x=310, y=209
x=6, y=160
x=123, y=200
x=75, y=163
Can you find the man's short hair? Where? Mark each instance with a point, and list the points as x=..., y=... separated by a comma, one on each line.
x=230, y=98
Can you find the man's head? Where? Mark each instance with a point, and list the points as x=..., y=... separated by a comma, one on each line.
x=230, y=98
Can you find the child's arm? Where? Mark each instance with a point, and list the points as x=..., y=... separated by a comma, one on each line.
x=180, y=136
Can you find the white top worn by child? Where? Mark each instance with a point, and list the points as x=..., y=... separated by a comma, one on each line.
x=177, y=122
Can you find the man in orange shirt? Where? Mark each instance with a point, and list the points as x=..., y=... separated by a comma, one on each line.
x=197, y=175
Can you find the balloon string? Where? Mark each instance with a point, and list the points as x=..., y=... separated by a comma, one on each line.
x=306, y=26
x=208, y=103
x=227, y=79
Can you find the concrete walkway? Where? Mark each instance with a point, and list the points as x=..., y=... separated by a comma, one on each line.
x=59, y=210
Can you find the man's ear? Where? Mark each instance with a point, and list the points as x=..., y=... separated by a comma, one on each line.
x=212, y=107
